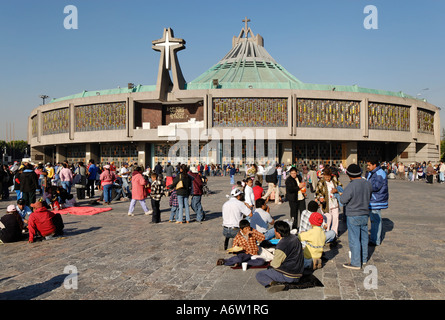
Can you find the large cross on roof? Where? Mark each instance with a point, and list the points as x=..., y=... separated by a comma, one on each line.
x=246, y=21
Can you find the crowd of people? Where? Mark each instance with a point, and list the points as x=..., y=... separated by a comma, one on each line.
x=289, y=247
x=416, y=171
x=41, y=189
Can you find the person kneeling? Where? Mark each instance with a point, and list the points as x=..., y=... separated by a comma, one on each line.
x=44, y=222
x=247, y=240
x=288, y=262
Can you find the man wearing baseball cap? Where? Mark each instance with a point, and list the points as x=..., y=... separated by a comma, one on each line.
x=233, y=211
x=356, y=197
x=44, y=222
x=11, y=226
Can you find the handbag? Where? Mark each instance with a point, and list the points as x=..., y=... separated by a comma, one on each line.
x=180, y=184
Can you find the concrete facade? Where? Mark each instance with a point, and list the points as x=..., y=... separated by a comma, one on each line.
x=163, y=115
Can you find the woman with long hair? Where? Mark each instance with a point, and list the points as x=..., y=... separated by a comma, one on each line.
x=182, y=185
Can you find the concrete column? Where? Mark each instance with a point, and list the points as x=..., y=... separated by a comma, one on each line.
x=413, y=122
x=130, y=116
x=72, y=121
x=142, y=153
x=92, y=151
x=286, y=156
x=61, y=153
x=290, y=123
x=351, y=153
x=37, y=154
x=364, y=117
x=294, y=114
x=39, y=125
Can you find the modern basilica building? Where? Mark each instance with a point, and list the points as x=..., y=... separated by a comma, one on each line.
x=246, y=108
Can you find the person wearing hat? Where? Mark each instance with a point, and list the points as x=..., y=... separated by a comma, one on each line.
x=233, y=211
x=315, y=239
x=44, y=222
x=356, y=198
x=29, y=183
x=11, y=226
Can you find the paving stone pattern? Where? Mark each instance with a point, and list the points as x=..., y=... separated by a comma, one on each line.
x=118, y=257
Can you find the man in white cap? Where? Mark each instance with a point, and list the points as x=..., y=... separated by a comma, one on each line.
x=233, y=211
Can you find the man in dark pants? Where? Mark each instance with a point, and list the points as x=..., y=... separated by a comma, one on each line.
x=292, y=188
x=92, y=173
x=29, y=183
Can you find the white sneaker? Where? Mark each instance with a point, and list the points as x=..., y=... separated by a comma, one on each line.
x=149, y=212
x=131, y=214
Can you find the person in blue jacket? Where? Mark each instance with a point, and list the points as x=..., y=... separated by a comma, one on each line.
x=379, y=200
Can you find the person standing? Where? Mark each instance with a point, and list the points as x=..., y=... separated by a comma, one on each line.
x=66, y=177
x=107, y=178
x=80, y=186
x=169, y=171
x=29, y=183
x=356, y=197
x=272, y=184
x=293, y=196
x=124, y=174
x=197, y=192
x=92, y=175
x=379, y=200
x=157, y=192
x=325, y=194
x=182, y=185
x=138, y=191
x=232, y=173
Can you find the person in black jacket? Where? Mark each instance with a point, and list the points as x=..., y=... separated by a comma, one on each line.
x=11, y=226
x=29, y=183
x=288, y=263
x=182, y=184
x=292, y=189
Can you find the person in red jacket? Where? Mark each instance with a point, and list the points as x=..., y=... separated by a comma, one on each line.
x=44, y=223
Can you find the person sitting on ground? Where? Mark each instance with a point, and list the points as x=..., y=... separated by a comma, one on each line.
x=44, y=223
x=258, y=190
x=247, y=240
x=11, y=226
x=315, y=239
x=288, y=263
x=305, y=225
x=261, y=219
x=23, y=210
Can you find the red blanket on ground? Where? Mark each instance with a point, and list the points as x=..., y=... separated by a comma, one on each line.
x=82, y=211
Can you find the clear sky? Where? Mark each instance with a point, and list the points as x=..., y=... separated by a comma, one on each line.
x=322, y=42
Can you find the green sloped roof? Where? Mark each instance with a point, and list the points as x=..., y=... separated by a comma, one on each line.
x=85, y=94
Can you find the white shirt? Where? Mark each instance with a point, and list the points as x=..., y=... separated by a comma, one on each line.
x=233, y=211
x=260, y=220
x=249, y=197
x=123, y=172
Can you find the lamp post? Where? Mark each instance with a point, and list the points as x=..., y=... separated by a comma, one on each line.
x=44, y=97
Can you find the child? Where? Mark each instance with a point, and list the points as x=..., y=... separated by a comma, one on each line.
x=157, y=191
x=247, y=239
x=174, y=206
x=261, y=219
x=315, y=239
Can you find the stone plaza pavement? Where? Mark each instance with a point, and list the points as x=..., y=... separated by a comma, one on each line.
x=118, y=257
